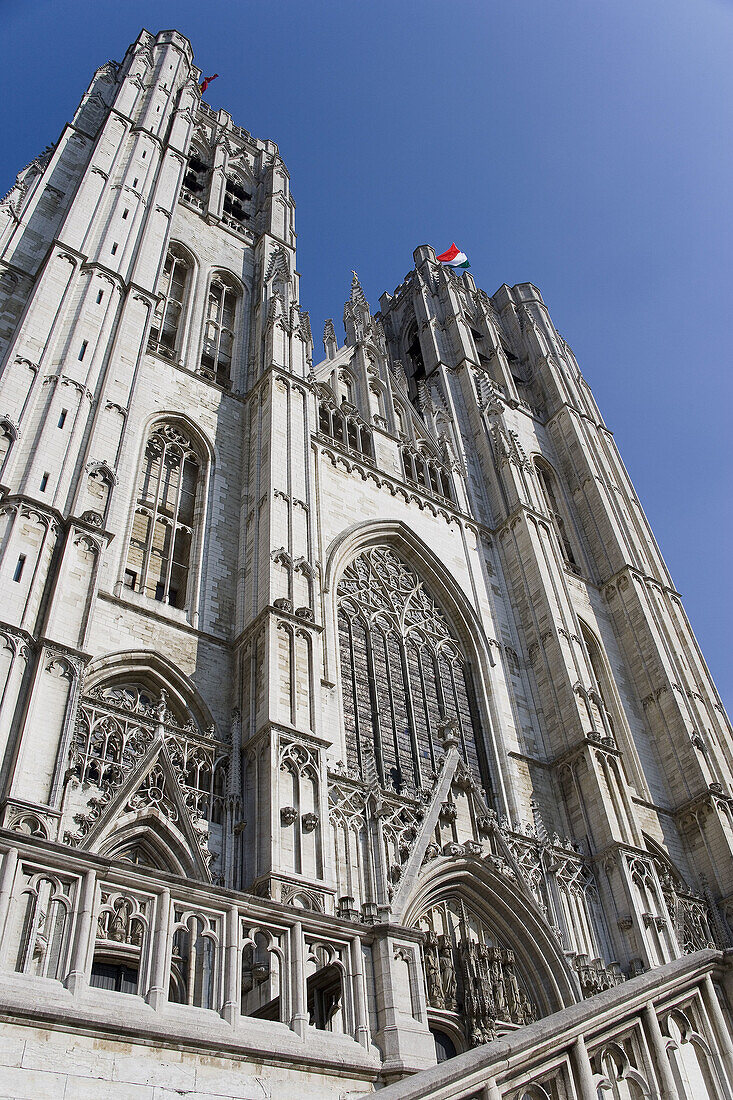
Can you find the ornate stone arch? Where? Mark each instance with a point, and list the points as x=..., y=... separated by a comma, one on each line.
x=505, y=918
x=147, y=772
x=463, y=622
x=161, y=675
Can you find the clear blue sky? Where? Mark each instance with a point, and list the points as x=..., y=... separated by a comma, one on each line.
x=580, y=145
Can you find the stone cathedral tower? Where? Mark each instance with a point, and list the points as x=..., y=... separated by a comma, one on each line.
x=350, y=722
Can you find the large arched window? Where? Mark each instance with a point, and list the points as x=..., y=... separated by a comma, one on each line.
x=166, y=329
x=403, y=675
x=221, y=313
x=158, y=559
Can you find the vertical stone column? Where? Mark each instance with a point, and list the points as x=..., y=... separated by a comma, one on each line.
x=361, y=1023
x=582, y=1070
x=232, y=984
x=76, y=979
x=658, y=1046
x=299, y=1007
x=721, y=1031
x=7, y=878
x=158, y=992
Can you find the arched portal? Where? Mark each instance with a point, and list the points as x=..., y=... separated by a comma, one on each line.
x=491, y=962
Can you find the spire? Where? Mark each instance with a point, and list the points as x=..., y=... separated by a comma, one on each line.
x=357, y=294
x=357, y=316
x=330, y=343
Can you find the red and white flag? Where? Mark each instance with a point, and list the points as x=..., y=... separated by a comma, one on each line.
x=453, y=257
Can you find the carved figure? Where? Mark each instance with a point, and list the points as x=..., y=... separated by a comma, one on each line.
x=447, y=974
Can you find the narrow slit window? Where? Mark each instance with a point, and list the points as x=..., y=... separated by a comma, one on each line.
x=216, y=355
x=44, y=482
x=165, y=329
x=100, y=296
x=125, y=212
x=145, y=153
x=62, y=418
x=19, y=567
x=114, y=248
x=83, y=349
x=135, y=182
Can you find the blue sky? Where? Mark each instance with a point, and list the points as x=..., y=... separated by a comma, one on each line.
x=580, y=145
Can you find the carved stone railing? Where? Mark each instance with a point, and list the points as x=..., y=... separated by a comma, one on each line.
x=177, y=942
x=664, y=1034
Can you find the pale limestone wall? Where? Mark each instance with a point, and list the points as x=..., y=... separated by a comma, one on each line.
x=44, y=1062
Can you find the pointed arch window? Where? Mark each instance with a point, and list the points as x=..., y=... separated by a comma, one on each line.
x=196, y=179
x=423, y=469
x=221, y=314
x=236, y=199
x=8, y=434
x=167, y=326
x=552, y=505
x=602, y=695
x=415, y=361
x=403, y=675
x=159, y=554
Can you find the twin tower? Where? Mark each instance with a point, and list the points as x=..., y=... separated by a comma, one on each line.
x=349, y=718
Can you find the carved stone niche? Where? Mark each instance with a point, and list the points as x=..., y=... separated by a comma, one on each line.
x=448, y=812
x=288, y=814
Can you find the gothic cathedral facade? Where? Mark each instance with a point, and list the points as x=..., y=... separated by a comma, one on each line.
x=350, y=722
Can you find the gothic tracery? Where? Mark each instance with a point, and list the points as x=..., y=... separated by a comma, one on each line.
x=403, y=674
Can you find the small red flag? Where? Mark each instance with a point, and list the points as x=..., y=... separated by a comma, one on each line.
x=207, y=81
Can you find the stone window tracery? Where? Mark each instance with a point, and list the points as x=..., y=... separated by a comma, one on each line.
x=167, y=327
x=403, y=675
x=44, y=941
x=159, y=553
x=221, y=314
x=194, y=960
x=120, y=943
